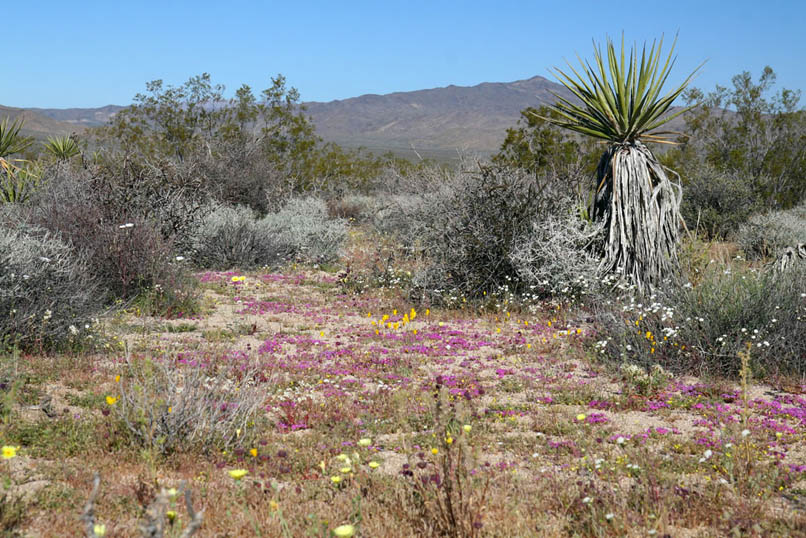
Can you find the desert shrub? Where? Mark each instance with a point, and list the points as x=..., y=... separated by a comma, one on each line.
x=356, y=208
x=554, y=257
x=304, y=225
x=233, y=237
x=167, y=406
x=47, y=292
x=472, y=229
x=702, y=328
x=108, y=220
x=716, y=202
x=764, y=236
x=404, y=216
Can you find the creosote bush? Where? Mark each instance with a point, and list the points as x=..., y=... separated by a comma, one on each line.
x=717, y=202
x=47, y=294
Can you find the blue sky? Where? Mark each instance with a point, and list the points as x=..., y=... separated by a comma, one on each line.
x=93, y=53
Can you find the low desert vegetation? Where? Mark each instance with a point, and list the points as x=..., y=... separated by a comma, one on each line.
x=218, y=325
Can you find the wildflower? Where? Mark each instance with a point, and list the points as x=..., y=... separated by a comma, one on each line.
x=366, y=441
x=171, y=515
x=581, y=417
x=609, y=516
x=335, y=479
x=10, y=452
x=111, y=400
x=73, y=330
x=344, y=531
x=117, y=378
x=745, y=433
x=237, y=474
x=253, y=452
x=345, y=470
x=434, y=451
x=99, y=529
x=467, y=428
x=180, y=258
x=587, y=500
x=374, y=465
x=620, y=440
x=449, y=440
x=273, y=506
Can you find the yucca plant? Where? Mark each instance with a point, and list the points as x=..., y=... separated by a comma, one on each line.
x=16, y=183
x=62, y=148
x=11, y=141
x=620, y=102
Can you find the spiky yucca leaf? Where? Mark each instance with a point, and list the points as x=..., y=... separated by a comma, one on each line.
x=11, y=141
x=620, y=101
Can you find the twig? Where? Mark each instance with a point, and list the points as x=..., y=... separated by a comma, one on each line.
x=88, y=516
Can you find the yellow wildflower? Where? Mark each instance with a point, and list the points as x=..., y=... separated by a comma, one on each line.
x=237, y=474
x=111, y=400
x=10, y=452
x=344, y=531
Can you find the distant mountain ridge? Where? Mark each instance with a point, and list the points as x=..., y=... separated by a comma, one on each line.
x=86, y=117
x=464, y=118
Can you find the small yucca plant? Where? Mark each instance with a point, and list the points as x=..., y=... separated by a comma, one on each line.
x=62, y=148
x=620, y=101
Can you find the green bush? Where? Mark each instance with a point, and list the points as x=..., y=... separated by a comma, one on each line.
x=47, y=293
x=764, y=236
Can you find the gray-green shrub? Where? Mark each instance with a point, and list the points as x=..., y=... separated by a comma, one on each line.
x=304, y=225
x=47, y=293
x=716, y=202
x=765, y=236
x=475, y=229
x=233, y=237
x=702, y=328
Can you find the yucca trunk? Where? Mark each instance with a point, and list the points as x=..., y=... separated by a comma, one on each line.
x=640, y=209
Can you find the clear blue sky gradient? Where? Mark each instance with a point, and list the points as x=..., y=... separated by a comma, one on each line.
x=93, y=53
